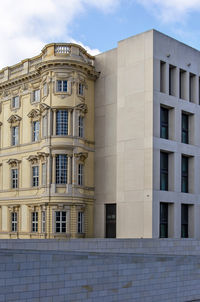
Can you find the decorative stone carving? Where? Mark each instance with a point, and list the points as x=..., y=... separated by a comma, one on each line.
x=34, y=113
x=42, y=155
x=13, y=162
x=14, y=118
x=82, y=107
x=33, y=159
x=81, y=156
x=13, y=208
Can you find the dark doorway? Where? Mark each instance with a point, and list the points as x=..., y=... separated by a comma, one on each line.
x=111, y=220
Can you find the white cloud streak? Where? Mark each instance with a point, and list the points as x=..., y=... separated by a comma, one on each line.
x=171, y=10
x=27, y=25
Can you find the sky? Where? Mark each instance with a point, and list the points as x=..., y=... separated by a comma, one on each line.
x=27, y=25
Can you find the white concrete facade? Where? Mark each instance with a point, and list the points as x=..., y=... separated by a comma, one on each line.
x=132, y=88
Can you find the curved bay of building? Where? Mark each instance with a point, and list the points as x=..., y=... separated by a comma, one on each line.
x=47, y=145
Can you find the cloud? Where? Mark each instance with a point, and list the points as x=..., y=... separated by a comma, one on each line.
x=171, y=10
x=27, y=25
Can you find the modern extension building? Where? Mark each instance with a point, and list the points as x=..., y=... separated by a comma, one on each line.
x=47, y=145
x=104, y=146
x=147, y=137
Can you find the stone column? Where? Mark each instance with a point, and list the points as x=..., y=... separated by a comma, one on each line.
x=74, y=170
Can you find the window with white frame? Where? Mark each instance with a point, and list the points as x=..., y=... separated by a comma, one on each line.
x=15, y=102
x=80, y=174
x=35, y=174
x=44, y=126
x=34, y=221
x=61, y=169
x=36, y=95
x=45, y=89
x=35, y=131
x=80, y=126
x=15, y=135
x=43, y=222
x=61, y=86
x=44, y=174
x=80, y=222
x=61, y=122
x=80, y=89
x=14, y=221
x=60, y=221
x=14, y=180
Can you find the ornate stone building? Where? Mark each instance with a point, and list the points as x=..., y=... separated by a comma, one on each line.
x=47, y=145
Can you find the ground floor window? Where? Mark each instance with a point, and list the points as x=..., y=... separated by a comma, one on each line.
x=184, y=220
x=80, y=222
x=43, y=221
x=110, y=220
x=34, y=221
x=60, y=222
x=163, y=220
x=14, y=221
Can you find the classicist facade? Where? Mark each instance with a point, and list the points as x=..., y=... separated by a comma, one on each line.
x=47, y=145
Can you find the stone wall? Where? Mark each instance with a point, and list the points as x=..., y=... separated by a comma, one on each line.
x=100, y=270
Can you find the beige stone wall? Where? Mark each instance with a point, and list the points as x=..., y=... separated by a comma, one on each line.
x=124, y=136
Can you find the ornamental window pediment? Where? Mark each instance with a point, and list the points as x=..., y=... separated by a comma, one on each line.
x=14, y=118
x=81, y=156
x=82, y=107
x=34, y=113
x=33, y=159
x=13, y=162
x=43, y=107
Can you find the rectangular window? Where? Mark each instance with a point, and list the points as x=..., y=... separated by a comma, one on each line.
x=61, y=86
x=15, y=135
x=184, y=221
x=199, y=91
x=43, y=221
x=14, y=175
x=164, y=117
x=35, y=173
x=163, y=171
x=14, y=222
x=44, y=126
x=80, y=174
x=172, y=70
x=36, y=96
x=45, y=90
x=185, y=129
x=163, y=220
x=182, y=83
x=60, y=220
x=192, y=88
x=62, y=122
x=184, y=174
x=80, y=222
x=44, y=174
x=15, y=102
x=34, y=221
x=36, y=131
x=162, y=76
x=80, y=126
x=61, y=169
x=80, y=89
